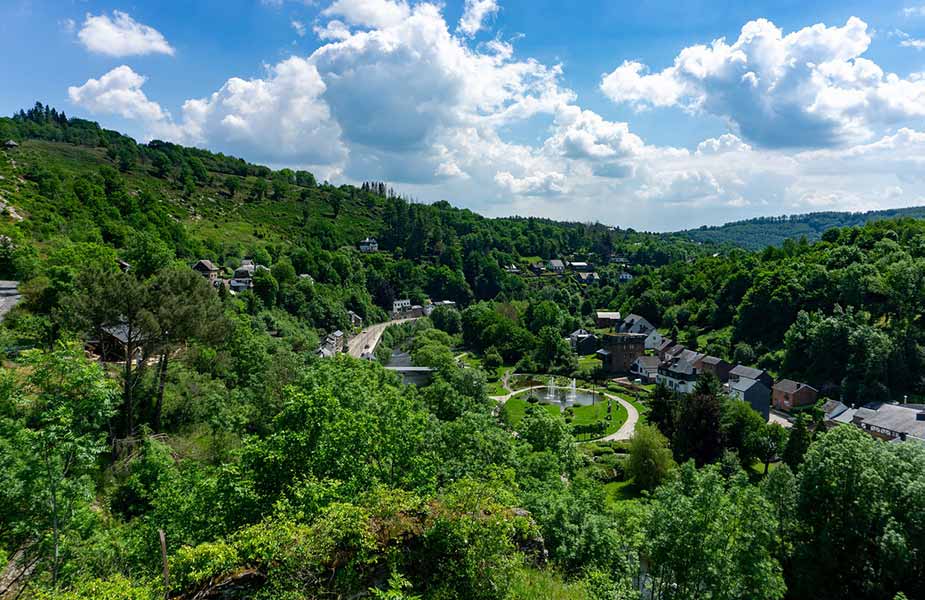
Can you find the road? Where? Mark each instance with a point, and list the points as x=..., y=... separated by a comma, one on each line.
x=624, y=433
x=368, y=339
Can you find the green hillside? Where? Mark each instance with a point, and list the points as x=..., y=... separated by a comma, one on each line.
x=756, y=234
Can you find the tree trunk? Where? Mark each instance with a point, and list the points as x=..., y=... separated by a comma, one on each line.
x=161, y=383
x=128, y=389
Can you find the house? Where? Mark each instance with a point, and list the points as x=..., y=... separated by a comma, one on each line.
x=538, y=268
x=208, y=270
x=9, y=296
x=753, y=391
x=679, y=375
x=556, y=266
x=238, y=285
x=245, y=270
x=356, y=321
x=115, y=340
x=665, y=349
x=625, y=277
x=742, y=372
x=580, y=266
x=636, y=324
x=335, y=341
x=512, y=269
x=10, y=145
x=429, y=307
x=892, y=421
x=716, y=366
x=837, y=413
x=788, y=394
x=369, y=245
x=645, y=368
x=401, y=306
x=619, y=260
x=583, y=342
x=606, y=318
x=620, y=350
x=587, y=278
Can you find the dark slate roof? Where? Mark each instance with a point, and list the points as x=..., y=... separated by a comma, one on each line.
x=650, y=362
x=206, y=264
x=745, y=384
x=893, y=417
x=120, y=332
x=666, y=343
x=683, y=367
x=746, y=372
x=711, y=360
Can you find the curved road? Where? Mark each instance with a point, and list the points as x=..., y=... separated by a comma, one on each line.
x=624, y=433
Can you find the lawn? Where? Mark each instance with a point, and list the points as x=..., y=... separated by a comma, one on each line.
x=515, y=409
x=621, y=491
x=585, y=415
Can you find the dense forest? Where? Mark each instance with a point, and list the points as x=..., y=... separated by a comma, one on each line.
x=209, y=452
x=756, y=234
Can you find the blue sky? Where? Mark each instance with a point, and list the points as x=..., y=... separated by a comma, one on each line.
x=623, y=112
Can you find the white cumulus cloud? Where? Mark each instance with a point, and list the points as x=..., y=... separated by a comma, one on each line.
x=474, y=14
x=121, y=35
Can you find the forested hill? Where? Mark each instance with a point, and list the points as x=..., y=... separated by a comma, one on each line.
x=758, y=233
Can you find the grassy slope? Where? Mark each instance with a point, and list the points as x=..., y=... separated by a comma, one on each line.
x=210, y=213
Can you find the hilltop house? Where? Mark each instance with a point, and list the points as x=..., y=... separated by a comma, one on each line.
x=606, y=318
x=788, y=394
x=556, y=266
x=620, y=350
x=207, y=269
x=753, y=391
x=636, y=324
x=369, y=245
x=645, y=368
x=583, y=342
x=580, y=266
x=585, y=278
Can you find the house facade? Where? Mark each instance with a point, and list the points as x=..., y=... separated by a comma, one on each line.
x=583, y=342
x=678, y=376
x=556, y=266
x=369, y=245
x=620, y=350
x=645, y=368
x=788, y=394
x=402, y=305
x=755, y=393
x=716, y=366
x=633, y=323
x=207, y=269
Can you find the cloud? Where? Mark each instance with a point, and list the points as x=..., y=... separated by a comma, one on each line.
x=476, y=11
x=907, y=41
x=541, y=184
x=415, y=102
x=369, y=13
x=121, y=35
x=118, y=92
x=809, y=88
x=299, y=27
x=279, y=118
x=914, y=11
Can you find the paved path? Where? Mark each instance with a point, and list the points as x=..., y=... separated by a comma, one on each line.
x=624, y=433
x=368, y=339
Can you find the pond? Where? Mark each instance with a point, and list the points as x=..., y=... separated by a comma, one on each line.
x=564, y=396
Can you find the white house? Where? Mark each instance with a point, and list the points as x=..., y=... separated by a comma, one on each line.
x=369, y=245
x=638, y=324
x=400, y=306
x=679, y=376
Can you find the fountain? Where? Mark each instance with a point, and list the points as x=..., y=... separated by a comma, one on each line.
x=551, y=390
x=572, y=393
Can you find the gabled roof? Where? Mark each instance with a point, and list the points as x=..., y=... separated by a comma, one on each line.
x=682, y=367
x=556, y=263
x=712, y=360
x=832, y=408
x=666, y=343
x=746, y=372
x=205, y=264
x=789, y=386
x=745, y=384
x=649, y=362
x=580, y=332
